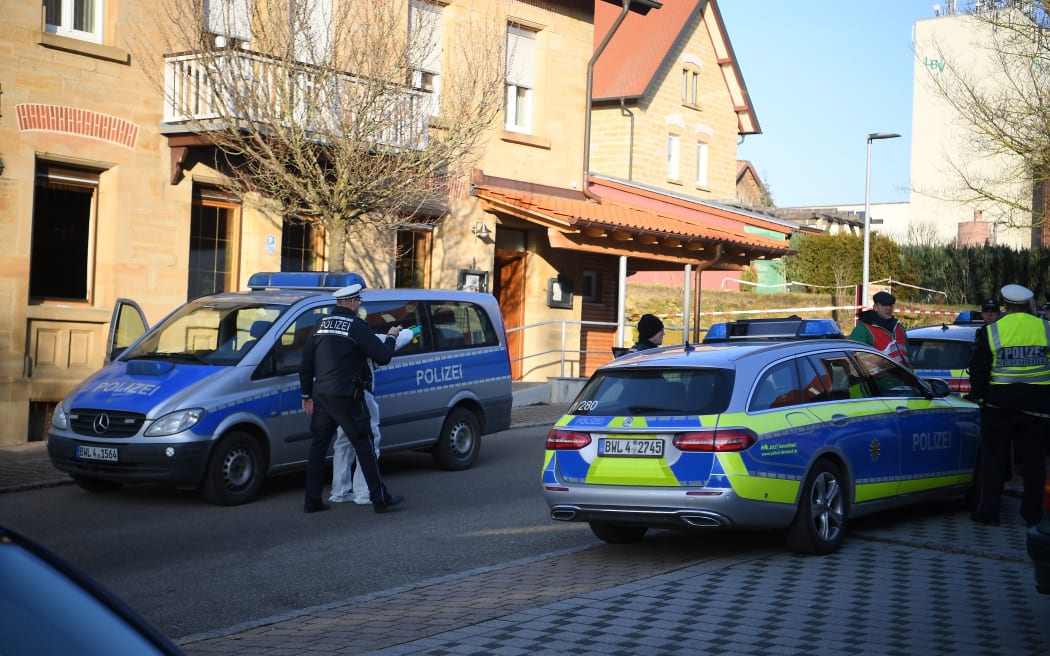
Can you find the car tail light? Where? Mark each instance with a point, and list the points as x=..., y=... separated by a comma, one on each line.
x=565, y=439
x=961, y=385
x=719, y=439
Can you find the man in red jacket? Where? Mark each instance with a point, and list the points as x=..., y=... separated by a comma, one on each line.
x=879, y=328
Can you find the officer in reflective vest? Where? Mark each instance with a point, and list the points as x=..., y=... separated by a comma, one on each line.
x=1010, y=378
x=879, y=328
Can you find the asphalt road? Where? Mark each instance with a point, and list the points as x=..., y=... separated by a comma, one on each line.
x=191, y=567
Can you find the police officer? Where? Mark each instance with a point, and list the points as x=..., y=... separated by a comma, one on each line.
x=879, y=328
x=333, y=376
x=650, y=333
x=1010, y=378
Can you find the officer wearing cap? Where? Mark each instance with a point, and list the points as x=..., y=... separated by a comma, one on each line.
x=990, y=311
x=1010, y=378
x=333, y=376
x=879, y=328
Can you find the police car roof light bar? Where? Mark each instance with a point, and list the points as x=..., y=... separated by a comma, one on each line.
x=318, y=280
x=783, y=328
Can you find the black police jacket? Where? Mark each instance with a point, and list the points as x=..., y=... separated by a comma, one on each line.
x=335, y=357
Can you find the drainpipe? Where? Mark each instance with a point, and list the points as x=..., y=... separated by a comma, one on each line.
x=719, y=250
x=590, y=87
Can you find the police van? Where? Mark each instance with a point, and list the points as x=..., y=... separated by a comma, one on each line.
x=209, y=397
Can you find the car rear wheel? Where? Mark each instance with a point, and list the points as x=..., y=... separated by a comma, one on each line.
x=236, y=471
x=820, y=522
x=618, y=533
x=460, y=440
x=96, y=484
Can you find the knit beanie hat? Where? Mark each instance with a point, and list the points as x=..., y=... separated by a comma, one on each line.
x=648, y=326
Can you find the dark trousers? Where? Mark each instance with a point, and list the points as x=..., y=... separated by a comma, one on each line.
x=998, y=428
x=332, y=411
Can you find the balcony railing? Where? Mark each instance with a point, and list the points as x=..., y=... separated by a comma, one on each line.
x=238, y=85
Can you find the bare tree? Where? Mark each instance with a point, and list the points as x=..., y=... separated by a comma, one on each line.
x=996, y=83
x=921, y=233
x=348, y=114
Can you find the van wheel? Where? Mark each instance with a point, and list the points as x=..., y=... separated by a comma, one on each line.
x=618, y=533
x=460, y=440
x=820, y=521
x=235, y=472
x=96, y=484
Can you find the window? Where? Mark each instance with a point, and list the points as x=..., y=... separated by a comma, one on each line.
x=302, y=246
x=521, y=78
x=80, y=19
x=311, y=25
x=213, y=244
x=777, y=388
x=64, y=210
x=413, y=259
x=691, y=86
x=701, y=164
x=383, y=315
x=461, y=325
x=425, y=26
x=229, y=19
x=673, y=142
x=590, y=291
x=890, y=378
x=839, y=377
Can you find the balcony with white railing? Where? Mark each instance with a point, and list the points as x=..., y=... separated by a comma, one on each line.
x=204, y=91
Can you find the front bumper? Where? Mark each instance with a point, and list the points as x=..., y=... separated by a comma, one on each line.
x=176, y=463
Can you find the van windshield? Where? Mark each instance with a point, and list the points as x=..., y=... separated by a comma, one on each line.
x=208, y=332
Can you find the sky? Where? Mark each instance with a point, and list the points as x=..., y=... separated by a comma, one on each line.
x=822, y=76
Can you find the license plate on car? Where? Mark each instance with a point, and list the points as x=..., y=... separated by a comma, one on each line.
x=636, y=448
x=107, y=453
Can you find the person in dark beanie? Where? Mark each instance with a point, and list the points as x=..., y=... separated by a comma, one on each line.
x=879, y=328
x=650, y=333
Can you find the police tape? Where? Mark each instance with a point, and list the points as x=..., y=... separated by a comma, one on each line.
x=815, y=308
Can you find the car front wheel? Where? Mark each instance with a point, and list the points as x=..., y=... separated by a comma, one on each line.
x=820, y=521
x=236, y=471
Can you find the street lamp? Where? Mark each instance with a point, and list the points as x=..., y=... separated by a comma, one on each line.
x=867, y=212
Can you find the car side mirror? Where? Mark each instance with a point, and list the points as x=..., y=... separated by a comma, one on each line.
x=939, y=388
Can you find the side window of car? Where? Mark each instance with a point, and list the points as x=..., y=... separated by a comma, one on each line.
x=815, y=387
x=890, y=378
x=288, y=351
x=461, y=325
x=382, y=315
x=777, y=388
x=840, y=376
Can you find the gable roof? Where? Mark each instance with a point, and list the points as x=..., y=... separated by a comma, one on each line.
x=634, y=55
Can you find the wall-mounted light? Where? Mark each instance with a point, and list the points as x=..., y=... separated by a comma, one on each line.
x=480, y=230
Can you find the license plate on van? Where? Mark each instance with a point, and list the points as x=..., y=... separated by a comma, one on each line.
x=106, y=453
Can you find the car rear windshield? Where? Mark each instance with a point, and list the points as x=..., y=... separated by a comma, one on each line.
x=939, y=353
x=654, y=392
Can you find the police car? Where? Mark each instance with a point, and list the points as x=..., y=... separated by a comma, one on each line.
x=769, y=424
x=209, y=397
x=944, y=351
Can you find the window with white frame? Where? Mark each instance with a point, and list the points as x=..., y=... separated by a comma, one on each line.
x=673, y=159
x=311, y=25
x=691, y=86
x=80, y=19
x=228, y=20
x=701, y=164
x=427, y=35
x=521, y=78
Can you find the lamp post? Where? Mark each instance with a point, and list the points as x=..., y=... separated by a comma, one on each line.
x=867, y=213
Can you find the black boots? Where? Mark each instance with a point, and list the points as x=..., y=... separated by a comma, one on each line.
x=383, y=501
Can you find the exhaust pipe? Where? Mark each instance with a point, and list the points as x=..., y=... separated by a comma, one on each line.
x=564, y=514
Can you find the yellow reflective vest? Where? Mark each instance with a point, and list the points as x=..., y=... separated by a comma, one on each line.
x=1019, y=344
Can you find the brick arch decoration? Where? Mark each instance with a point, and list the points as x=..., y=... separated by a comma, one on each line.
x=73, y=120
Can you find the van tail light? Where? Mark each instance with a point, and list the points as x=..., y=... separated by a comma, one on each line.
x=718, y=439
x=566, y=439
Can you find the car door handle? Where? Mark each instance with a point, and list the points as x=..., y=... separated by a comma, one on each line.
x=903, y=410
x=839, y=420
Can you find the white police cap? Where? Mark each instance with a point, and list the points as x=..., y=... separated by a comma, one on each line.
x=350, y=291
x=1016, y=294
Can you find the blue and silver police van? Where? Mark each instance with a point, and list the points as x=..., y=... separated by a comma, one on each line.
x=209, y=397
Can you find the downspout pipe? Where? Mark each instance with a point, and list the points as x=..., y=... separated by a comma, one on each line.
x=590, y=91
x=630, y=139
